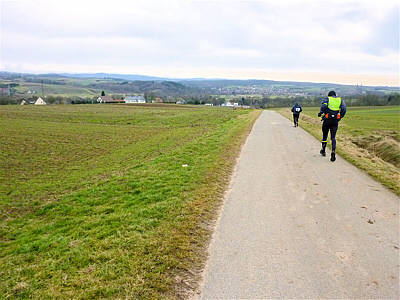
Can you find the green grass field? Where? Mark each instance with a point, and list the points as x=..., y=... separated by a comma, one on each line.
x=56, y=90
x=96, y=201
x=369, y=137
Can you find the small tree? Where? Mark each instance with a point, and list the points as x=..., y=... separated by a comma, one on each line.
x=102, y=93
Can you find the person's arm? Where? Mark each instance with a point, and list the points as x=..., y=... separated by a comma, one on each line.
x=324, y=107
x=343, y=109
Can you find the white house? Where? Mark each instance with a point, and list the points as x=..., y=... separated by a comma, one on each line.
x=135, y=99
x=104, y=99
x=40, y=101
x=23, y=102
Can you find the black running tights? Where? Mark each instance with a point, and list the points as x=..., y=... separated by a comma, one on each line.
x=332, y=126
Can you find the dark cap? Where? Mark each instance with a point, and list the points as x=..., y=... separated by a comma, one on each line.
x=332, y=93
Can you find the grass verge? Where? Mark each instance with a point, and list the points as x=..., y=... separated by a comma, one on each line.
x=368, y=137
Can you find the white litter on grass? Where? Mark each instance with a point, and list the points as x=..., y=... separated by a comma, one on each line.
x=185, y=165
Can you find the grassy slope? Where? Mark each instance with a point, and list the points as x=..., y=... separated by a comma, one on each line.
x=95, y=202
x=368, y=137
x=56, y=90
x=89, y=87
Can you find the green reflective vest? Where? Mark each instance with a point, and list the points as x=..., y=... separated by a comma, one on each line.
x=334, y=103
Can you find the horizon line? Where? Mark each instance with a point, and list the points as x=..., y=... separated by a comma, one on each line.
x=216, y=78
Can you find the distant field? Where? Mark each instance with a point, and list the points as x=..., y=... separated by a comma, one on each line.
x=369, y=137
x=110, y=200
x=59, y=90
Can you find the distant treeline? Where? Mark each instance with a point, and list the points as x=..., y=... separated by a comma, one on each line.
x=269, y=102
x=49, y=100
x=158, y=88
x=44, y=81
x=357, y=100
x=253, y=101
x=10, y=85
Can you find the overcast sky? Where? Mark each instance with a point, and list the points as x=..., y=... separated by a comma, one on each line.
x=336, y=41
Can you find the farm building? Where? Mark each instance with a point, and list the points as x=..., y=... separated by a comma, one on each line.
x=158, y=100
x=104, y=99
x=109, y=99
x=230, y=104
x=135, y=99
x=23, y=102
x=40, y=101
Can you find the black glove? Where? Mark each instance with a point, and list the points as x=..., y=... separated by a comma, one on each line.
x=319, y=114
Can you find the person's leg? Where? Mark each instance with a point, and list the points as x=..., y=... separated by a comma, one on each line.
x=333, y=129
x=294, y=120
x=325, y=130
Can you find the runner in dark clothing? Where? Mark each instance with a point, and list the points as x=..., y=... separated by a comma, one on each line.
x=333, y=109
x=296, y=110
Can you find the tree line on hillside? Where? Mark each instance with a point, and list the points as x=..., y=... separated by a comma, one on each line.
x=160, y=88
x=356, y=100
x=4, y=100
x=253, y=101
x=270, y=102
x=45, y=81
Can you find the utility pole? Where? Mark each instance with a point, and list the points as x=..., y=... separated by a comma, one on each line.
x=42, y=89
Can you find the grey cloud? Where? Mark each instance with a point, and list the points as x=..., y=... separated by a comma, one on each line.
x=202, y=34
x=385, y=36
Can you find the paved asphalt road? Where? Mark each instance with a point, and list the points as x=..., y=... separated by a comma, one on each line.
x=295, y=225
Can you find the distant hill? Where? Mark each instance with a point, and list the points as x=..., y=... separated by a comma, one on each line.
x=157, y=87
x=111, y=76
x=90, y=84
x=282, y=88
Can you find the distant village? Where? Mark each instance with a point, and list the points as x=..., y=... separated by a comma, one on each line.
x=280, y=90
x=134, y=100
x=31, y=90
x=100, y=99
